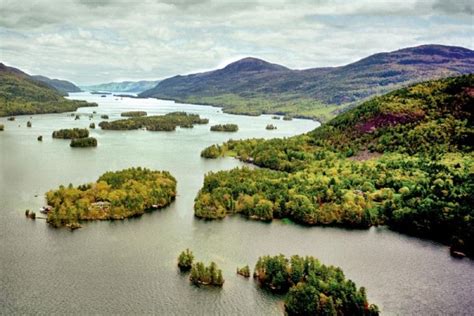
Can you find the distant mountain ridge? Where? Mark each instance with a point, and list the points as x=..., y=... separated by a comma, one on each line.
x=63, y=86
x=124, y=86
x=254, y=86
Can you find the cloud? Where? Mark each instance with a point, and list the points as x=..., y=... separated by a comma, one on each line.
x=454, y=7
x=91, y=41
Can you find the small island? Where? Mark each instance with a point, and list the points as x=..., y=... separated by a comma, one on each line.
x=225, y=128
x=312, y=288
x=211, y=152
x=28, y=124
x=134, y=114
x=166, y=123
x=100, y=92
x=270, y=127
x=287, y=118
x=40, y=138
x=185, y=260
x=114, y=196
x=92, y=125
x=210, y=275
x=104, y=117
x=70, y=133
x=84, y=142
x=244, y=271
x=30, y=214
x=126, y=96
x=11, y=118
x=2, y=127
x=276, y=117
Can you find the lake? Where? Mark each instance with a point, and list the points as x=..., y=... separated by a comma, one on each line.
x=129, y=266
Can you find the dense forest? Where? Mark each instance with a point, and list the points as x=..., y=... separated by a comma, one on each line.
x=404, y=159
x=312, y=288
x=22, y=94
x=167, y=122
x=115, y=195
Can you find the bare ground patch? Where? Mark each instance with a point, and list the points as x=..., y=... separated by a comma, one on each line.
x=365, y=155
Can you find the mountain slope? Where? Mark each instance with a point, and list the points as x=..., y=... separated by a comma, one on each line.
x=124, y=86
x=253, y=86
x=62, y=86
x=22, y=94
x=405, y=159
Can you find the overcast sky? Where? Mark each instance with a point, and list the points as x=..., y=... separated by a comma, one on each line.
x=93, y=41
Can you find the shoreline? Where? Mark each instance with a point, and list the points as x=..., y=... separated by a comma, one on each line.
x=180, y=101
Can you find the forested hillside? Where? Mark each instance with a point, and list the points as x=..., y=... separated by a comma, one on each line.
x=253, y=86
x=404, y=159
x=21, y=94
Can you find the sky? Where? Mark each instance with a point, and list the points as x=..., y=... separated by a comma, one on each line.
x=95, y=41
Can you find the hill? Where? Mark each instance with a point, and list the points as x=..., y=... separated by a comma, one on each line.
x=253, y=86
x=124, y=86
x=404, y=159
x=22, y=94
x=62, y=86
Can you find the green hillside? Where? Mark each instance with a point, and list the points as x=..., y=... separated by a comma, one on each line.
x=20, y=94
x=404, y=159
x=253, y=86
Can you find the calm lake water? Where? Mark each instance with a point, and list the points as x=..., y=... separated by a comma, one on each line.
x=129, y=266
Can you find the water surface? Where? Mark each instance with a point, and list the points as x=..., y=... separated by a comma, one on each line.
x=130, y=266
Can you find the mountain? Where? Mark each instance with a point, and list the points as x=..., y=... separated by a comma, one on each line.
x=404, y=159
x=62, y=86
x=21, y=93
x=124, y=86
x=253, y=86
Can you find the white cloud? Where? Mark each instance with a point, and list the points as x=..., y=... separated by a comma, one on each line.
x=91, y=41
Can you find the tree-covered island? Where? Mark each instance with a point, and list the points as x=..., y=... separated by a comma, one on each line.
x=134, y=114
x=206, y=275
x=84, y=142
x=185, y=260
x=167, y=122
x=312, y=288
x=225, y=128
x=115, y=195
x=71, y=133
